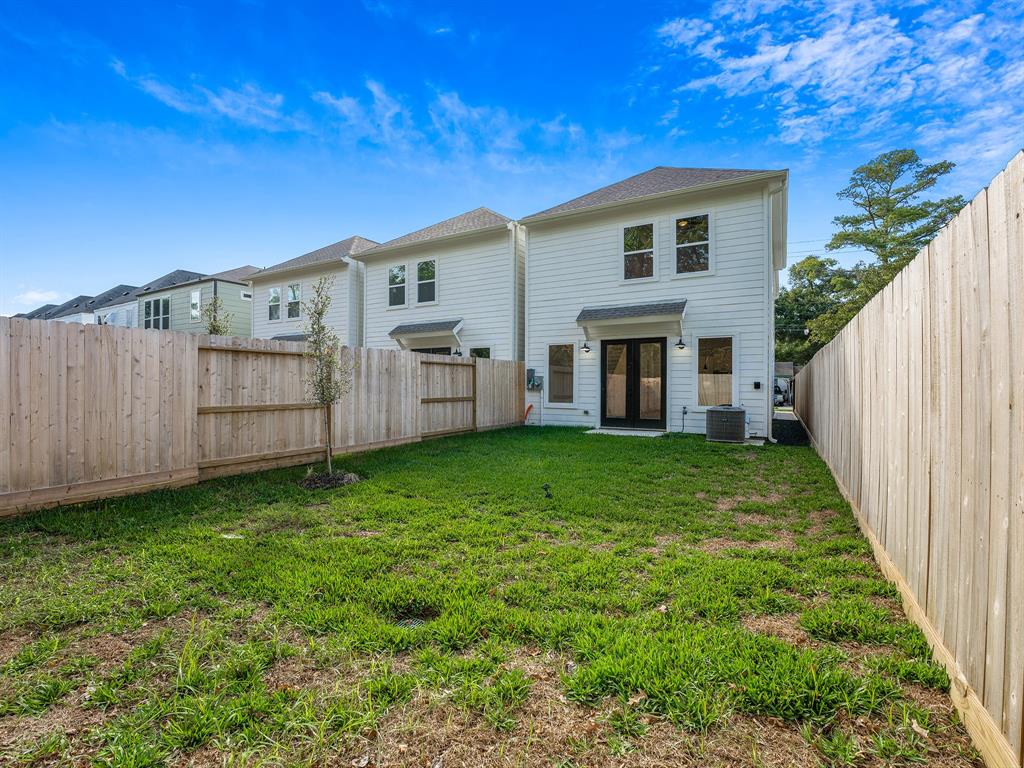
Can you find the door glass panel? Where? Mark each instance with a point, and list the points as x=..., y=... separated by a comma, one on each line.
x=650, y=381
x=615, y=381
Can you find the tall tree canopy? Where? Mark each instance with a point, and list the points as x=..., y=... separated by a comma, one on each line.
x=891, y=221
x=816, y=286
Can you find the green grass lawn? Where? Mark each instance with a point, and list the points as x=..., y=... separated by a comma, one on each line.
x=672, y=603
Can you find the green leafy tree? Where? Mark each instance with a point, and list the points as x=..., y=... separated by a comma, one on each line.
x=326, y=382
x=891, y=221
x=816, y=286
x=217, y=320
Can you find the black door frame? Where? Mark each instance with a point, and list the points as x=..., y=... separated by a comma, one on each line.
x=632, y=419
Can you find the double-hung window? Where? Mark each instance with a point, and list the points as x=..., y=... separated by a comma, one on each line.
x=195, y=306
x=426, y=282
x=294, y=300
x=561, y=365
x=693, y=244
x=156, y=314
x=638, y=251
x=274, y=304
x=396, y=286
x=484, y=353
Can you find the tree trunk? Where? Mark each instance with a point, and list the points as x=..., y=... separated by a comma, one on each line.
x=330, y=441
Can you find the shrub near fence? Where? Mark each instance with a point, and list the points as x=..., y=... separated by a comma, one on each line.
x=917, y=406
x=89, y=412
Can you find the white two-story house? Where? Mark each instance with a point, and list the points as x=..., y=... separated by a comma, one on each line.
x=455, y=287
x=651, y=299
x=278, y=293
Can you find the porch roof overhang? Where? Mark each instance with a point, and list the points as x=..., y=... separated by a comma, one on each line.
x=432, y=333
x=621, y=318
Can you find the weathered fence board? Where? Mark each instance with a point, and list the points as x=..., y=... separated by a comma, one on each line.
x=89, y=412
x=917, y=406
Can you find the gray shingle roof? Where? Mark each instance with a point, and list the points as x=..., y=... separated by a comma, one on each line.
x=334, y=252
x=433, y=326
x=119, y=294
x=653, y=182
x=236, y=275
x=472, y=221
x=38, y=313
x=588, y=314
x=171, y=279
x=69, y=307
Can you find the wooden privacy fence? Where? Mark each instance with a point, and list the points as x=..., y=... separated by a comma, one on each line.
x=917, y=406
x=89, y=412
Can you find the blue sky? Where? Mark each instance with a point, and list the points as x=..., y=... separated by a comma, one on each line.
x=137, y=138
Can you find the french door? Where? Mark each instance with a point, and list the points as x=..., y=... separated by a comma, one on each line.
x=633, y=383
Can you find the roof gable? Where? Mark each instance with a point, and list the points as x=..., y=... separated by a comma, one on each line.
x=657, y=181
x=336, y=252
x=477, y=220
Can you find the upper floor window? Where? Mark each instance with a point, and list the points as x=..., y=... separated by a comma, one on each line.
x=294, y=300
x=396, y=286
x=638, y=251
x=426, y=282
x=274, y=304
x=693, y=244
x=194, y=306
x=156, y=313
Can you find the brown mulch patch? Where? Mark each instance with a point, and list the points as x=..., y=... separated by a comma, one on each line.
x=322, y=480
x=13, y=640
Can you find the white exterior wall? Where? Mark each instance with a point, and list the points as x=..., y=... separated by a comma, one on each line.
x=121, y=315
x=86, y=318
x=476, y=280
x=342, y=316
x=578, y=262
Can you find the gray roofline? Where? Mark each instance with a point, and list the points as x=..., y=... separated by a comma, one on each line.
x=206, y=279
x=313, y=265
x=763, y=176
x=380, y=250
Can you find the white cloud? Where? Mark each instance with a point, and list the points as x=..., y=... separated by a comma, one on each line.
x=449, y=131
x=840, y=69
x=248, y=105
x=33, y=298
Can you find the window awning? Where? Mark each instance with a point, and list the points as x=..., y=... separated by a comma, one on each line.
x=432, y=333
x=652, y=317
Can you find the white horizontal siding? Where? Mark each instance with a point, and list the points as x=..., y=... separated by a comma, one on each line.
x=475, y=281
x=577, y=264
x=338, y=314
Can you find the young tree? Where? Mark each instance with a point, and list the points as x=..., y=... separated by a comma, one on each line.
x=218, y=322
x=892, y=223
x=327, y=381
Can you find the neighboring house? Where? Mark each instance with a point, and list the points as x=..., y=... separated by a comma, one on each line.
x=653, y=298
x=279, y=292
x=119, y=306
x=455, y=287
x=39, y=313
x=175, y=301
x=74, y=310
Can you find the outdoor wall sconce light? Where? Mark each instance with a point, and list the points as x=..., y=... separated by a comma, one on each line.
x=679, y=344
x=586, y=348
x=457, y=353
